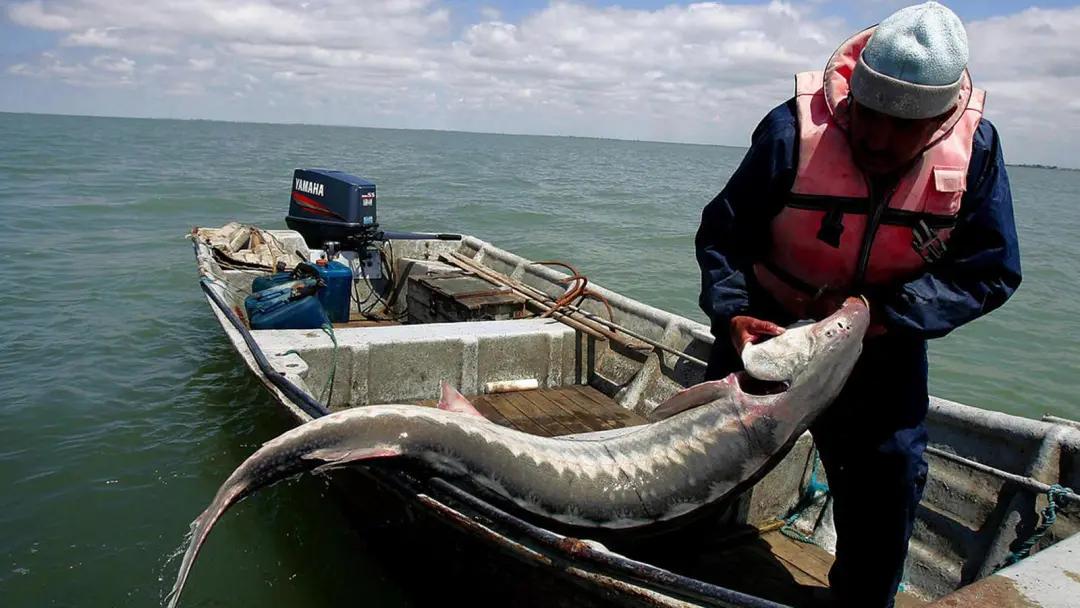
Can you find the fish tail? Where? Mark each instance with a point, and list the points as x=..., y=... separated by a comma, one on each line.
x=227, y=496
x=265, y=467
x=252, y=475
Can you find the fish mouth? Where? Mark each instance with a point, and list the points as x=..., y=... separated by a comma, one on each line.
x=825, y=341
x=756, y=386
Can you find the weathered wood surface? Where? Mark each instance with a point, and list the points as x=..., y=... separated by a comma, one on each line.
x=551, y=412
x=768, y=565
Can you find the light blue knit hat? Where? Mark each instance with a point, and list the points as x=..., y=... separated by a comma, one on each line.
x=913, y=65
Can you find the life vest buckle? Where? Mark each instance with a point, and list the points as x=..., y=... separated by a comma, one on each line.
x=927, y=242
x=832, y=226
x=820, y=292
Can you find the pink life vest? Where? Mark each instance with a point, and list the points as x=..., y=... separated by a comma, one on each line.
x=819, y=238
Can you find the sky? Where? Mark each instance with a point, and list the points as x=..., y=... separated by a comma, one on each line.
x=638, y=69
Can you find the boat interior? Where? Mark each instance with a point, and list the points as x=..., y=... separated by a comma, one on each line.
x=537, y=347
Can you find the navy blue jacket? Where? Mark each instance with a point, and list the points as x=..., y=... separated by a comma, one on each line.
x=979, y=271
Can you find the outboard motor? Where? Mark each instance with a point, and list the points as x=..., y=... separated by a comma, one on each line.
x=336, y=213
x=331, y=206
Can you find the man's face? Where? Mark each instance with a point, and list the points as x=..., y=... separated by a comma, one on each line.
x=883, y=144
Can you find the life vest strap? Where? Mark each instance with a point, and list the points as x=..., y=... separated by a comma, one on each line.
x=817, y=202
x=859, y=206
x=792, y=280
x=915, y=219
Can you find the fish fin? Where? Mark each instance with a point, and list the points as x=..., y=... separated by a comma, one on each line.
x=694, y=396
x=339, y=457
x=453, y=401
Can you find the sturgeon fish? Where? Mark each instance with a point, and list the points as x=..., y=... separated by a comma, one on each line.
x=706, y=442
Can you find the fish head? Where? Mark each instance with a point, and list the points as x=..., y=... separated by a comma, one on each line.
x=808, y=364
x=807, y=353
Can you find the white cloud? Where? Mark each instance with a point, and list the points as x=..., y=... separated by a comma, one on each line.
x=184, y=88
x=202, y=65
x=101, y=71
x=33, y=14
x=93, y=37
x=116, y=65
x=702, y=72
x=1028, y=64
x=115, y=39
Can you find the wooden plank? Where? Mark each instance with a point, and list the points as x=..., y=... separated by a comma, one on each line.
x=513, y=415
x=607, y=405
x=810, y=560
x=547, y=400
x=537, y=414
x=490, y=412
x=590, y=393
x=810, y=564
x=483, y=407
x=553, y=412
x=586, y=412
x=751, y=567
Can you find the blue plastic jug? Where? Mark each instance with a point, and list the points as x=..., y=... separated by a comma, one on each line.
x=270, y=280
x=334, y=293
x=290, y=305
x=337, y=287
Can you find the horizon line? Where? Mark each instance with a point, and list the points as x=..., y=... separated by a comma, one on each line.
x=1030, y=165
x=348, y=126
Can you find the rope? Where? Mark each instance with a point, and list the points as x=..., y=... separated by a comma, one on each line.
x=579, y=280
x=814, y=489
x=329, y=386
x=1049, y=516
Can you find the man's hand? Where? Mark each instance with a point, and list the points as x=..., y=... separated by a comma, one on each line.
x=745, y=330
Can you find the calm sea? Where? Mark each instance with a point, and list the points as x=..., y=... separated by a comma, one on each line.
x=122, y=406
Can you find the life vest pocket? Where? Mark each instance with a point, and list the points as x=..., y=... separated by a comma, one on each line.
x=945, y=191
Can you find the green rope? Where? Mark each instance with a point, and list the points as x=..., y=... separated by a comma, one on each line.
x=324, y=397
x=1049, y=516
x=328, y=389
x=814, y=489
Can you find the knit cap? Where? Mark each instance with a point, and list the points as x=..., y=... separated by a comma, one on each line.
x=913, y=64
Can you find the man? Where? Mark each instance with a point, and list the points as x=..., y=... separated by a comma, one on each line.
x=879, y=178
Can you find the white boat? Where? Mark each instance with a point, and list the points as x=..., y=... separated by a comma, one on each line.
x=604, y=364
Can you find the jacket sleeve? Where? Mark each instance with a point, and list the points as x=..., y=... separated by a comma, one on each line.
x=981, y=266
x=734, y=225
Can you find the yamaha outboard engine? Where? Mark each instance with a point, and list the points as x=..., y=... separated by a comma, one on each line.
x=336, y=213
x=337, y=208
x=330, y=206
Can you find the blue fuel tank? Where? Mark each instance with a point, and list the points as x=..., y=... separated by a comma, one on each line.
x=289, y=305
x=337, y=287
x=270, y=280
x=335, y=291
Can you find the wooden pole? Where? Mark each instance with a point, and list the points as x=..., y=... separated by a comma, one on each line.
x=530, y=293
